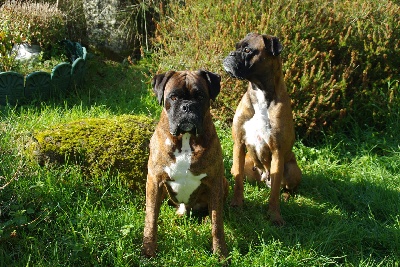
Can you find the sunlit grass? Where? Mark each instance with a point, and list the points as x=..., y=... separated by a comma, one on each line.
x=346, y=211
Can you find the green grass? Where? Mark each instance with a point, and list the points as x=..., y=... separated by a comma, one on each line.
x=346, y=211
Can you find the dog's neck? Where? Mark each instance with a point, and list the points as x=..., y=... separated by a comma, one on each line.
x=267, y=92
x=268, y=82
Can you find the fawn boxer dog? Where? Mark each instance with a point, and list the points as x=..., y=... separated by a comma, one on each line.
x=185, y=160
x=263, y=122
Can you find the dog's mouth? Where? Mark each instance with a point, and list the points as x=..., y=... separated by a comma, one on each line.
x=233, y=69
x=234, y=75
x=185, y=127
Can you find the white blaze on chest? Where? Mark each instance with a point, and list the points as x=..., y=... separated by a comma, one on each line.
x=184, y=182
x=168, y=142
x=257, y=132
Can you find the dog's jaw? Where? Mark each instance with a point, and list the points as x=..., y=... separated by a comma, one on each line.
x=184, y=127
x=233, y=67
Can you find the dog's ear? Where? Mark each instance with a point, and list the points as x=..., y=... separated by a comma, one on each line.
x=213, y=81
x=273, y=45
x=158, y=83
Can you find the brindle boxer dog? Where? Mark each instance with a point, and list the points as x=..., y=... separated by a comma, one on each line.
x=185, y=158
x=263, y=121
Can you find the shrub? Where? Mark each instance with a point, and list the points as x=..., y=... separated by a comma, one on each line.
x=339, y=56
x=40, y=23
x=7, y=59
x=28, y=22
x=118, y=146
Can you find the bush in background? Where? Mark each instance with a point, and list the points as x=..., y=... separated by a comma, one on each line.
x=32, y=23
x=341, y=58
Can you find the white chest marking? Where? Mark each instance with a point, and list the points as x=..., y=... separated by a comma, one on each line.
x=168, y=142
x=184, y=181
x=257, y=132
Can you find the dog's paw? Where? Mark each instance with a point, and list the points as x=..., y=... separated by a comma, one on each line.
x=181, y=211
x=278, y=222
x=238, y=197
x=149, y=249
x=148, y=253
x=236, y=202
x=276, y=219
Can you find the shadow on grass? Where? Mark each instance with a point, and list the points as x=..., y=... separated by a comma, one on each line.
x=331, y=216
x=119, y=88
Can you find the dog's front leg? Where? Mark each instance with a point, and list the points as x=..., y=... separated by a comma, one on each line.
x=237, y=171
x=277, y=168
x=153, y=203
x=217, y=223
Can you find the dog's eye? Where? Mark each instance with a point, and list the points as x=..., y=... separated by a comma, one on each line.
x=173, y=97
x=246, y=50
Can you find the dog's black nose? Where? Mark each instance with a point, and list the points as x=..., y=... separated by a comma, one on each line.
x=185, y=108
x=232, y=54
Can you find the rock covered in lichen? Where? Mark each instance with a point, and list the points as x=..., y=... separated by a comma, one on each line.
x=117, y=145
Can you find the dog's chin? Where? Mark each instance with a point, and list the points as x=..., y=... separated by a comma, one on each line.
x=237, y=77
x=234, y=73
x=185, y=127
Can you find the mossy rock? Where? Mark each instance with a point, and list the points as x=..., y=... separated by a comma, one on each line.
x=117, y=145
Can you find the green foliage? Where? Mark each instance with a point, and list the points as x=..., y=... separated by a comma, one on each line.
x=118, y=146
x=338, y=56
x=39, y=23
x=7, y=58
x=121, y=87
x=45, y=61
x=28, y=22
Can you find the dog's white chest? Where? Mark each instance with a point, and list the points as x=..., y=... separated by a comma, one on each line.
x=258, y=127
x=184, y=182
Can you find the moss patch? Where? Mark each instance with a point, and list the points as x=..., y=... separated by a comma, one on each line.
x=118, y=145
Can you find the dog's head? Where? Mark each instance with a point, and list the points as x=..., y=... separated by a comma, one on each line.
x=252, y=53
x=186, y=97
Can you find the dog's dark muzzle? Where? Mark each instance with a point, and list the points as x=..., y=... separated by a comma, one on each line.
x=234, y=65
x=186, y=118
x=186, y=126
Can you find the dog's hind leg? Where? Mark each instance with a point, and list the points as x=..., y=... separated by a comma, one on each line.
x=291, y=177
x=292, y=174
x=153, y=204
